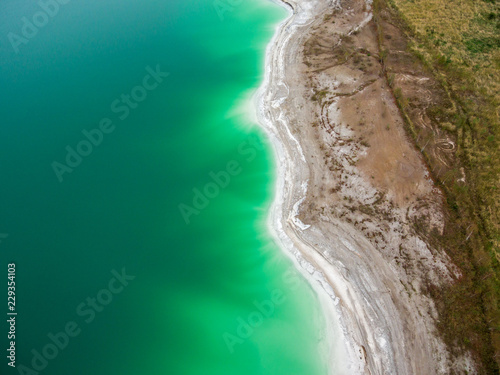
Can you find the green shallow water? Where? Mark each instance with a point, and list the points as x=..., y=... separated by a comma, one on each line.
x=200, y=299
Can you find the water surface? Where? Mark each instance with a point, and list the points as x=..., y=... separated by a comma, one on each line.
x=199, y=302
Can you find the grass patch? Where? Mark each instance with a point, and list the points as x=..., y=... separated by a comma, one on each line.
x=458, y=43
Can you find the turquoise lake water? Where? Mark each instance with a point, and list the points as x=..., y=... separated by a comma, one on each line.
x=134, y=193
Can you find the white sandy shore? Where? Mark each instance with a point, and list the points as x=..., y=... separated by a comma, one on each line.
x=372, y=328
x=341, y=353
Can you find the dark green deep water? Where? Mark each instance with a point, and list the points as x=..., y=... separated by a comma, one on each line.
x=213, y=296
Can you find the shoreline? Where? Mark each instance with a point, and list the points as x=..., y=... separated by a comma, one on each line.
x=350, y=352
x=374, y=325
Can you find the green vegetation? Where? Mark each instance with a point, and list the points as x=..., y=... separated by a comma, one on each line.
x=319, y=95
x=458, y=43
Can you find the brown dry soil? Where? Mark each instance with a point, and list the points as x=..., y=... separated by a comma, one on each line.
x=386, y=127
x=469, y=310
